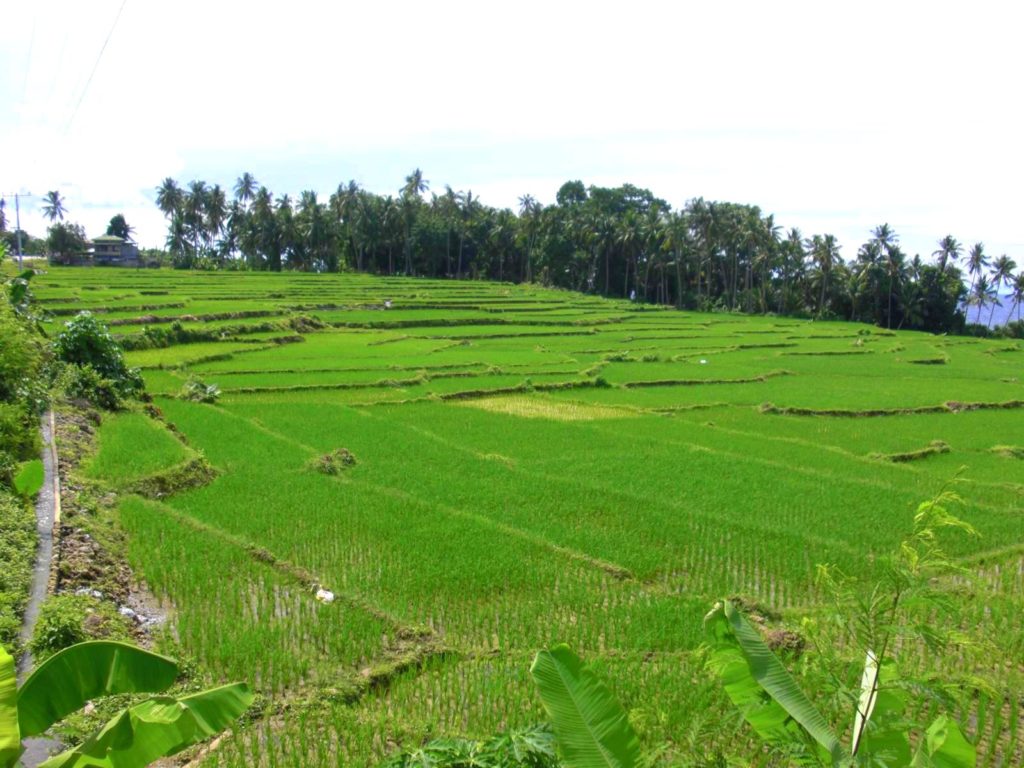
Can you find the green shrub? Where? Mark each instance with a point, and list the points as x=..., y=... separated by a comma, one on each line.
x=61, y=623
x=85, y=341
x=83, y=382
x=17, y=547
x=18, y=431
x=68, y=619
x=8, y=466
x=20, y=356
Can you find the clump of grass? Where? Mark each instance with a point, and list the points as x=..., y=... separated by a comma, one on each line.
x=933, y=448
x=335, y=462
x=194, y=473
x=67, y=619
x=1008, y=451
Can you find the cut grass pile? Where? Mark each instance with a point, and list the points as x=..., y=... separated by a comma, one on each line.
x=534, y=467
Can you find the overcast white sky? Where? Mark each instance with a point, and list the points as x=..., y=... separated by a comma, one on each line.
x=834, y=116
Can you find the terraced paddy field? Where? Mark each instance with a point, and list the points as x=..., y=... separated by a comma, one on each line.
x=532, y=466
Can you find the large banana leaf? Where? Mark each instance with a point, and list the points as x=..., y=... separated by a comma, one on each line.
x=944, y=746
x=67, y=680
x=30, y=478
x=748, y=670
x=156, y=728
x=590, y=726
x=10, y=733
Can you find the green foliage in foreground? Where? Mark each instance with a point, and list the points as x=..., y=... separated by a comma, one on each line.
x=17, y=548
x=532, y=747
x=87, y=343
x=22, y=398
x=591, y=726
x=136, y=736
x=29, y=479
x=593, y=730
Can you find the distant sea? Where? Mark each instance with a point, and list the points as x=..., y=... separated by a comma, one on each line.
x=1001, y=315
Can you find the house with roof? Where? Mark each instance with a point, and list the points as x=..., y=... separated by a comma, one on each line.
x=114, y=251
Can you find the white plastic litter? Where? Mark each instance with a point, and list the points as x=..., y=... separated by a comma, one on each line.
x=325, y=596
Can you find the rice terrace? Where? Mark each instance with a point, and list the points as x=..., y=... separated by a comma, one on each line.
x=407, y=487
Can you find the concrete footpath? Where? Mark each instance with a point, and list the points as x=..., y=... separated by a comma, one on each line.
x=47, y=524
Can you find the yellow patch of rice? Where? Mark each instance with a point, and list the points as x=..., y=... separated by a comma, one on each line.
x=537, y=408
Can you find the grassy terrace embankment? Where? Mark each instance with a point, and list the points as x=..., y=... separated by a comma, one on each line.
x=531, y=466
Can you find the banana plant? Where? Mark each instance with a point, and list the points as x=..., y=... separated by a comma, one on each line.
x=591, y=727
x=783, y=716
x=29, y=479
x=136, y=736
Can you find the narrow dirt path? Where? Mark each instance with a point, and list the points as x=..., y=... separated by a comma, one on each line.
x=47, y=520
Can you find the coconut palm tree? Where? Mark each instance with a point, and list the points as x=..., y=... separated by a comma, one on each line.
x=767, y=257
x=868, y=271
x=286, y=243
x=949, y=252
x=982, y=295
x=169, y=197
x=701, y=216
x=824, y=252
x=529, y=218
x=1017, y=294
x=193, y=208
x=629, y=237
x=679, y=243
x=53, y=206
x=216, y=212
x=888, y=244
x=263, y=235
x=1002, y=275
x=347, y=204
x=791, y=254
x=415, y=185
x=469, y=207
x=977, y=261
x=245, y=188
x=177, y=237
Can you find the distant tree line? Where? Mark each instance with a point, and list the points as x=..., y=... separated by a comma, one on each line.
x=619, y=242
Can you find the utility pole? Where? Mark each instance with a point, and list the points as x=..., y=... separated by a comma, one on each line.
x=17, y=223
x=17, y=230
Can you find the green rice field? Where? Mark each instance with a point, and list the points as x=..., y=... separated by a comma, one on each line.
x=532, y=466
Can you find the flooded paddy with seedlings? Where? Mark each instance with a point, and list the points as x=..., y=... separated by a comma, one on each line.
x=522, y=467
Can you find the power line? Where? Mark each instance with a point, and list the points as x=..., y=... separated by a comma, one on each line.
x=94, y=66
